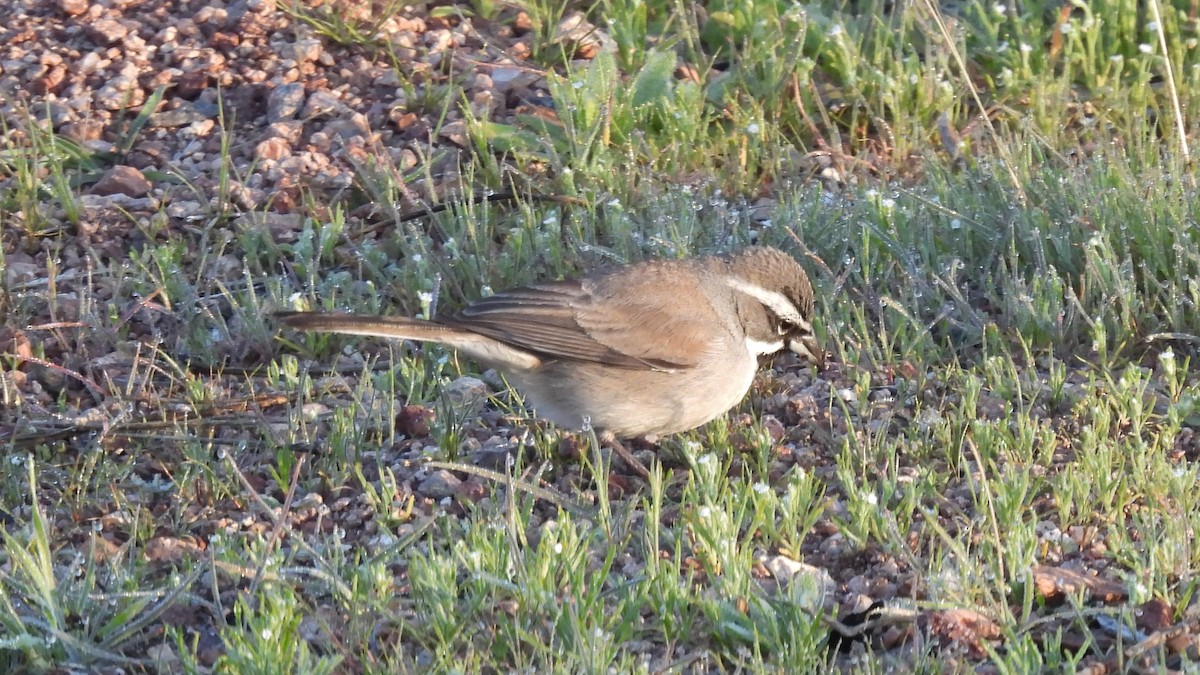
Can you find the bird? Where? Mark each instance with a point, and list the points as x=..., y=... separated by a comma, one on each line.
x=647, y=349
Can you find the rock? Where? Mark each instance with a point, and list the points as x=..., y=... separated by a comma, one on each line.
x=83, y=130
x=122, y=179
x=19, y=271
x=95, y=206
x=284, y=102
x=192, y=83
x=322, y=103
x=188, y=113
x=73, y=7
x=48, y=81
x=107, y=31
x=307, y=50
x=415, y=421
x=273, y=149
x=774, y=427
x=506, y=78
x=468, y=391
x=587, y=39
x=289, y=131
x=494, y=456
x=119, y=93
x=456, y=133
x=352, y=126
x=439, y=484
x=283, y=227
x=186, y=210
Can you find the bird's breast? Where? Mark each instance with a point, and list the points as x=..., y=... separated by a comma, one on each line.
x=632, y=403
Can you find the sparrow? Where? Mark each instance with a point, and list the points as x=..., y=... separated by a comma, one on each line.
x=648, y=349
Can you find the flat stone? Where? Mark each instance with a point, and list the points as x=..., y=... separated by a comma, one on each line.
x=122, y=179
x=284, y=102
x=439, y=484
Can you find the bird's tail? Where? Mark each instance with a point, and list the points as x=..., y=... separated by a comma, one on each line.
x=400, y=328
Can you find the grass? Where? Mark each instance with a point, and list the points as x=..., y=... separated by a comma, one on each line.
x=1011, y=306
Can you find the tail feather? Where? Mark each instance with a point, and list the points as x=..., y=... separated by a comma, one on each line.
x=400, y=328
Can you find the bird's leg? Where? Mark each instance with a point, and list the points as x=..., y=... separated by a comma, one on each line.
x=625, y=455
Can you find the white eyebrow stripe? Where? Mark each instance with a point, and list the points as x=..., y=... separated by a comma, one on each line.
x=774, y=300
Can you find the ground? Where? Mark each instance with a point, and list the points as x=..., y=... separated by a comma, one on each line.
x=997, y=471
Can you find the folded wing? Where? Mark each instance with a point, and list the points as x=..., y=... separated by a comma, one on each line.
x=601, y=319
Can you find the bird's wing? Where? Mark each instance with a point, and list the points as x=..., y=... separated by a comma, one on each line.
x=596, y=320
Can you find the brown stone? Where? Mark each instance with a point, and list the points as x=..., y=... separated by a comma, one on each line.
x=273, y=149
x=122, y=179
x=73, y=7
x=50, y=81
x=191, y=84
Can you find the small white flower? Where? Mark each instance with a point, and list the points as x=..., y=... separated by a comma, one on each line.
x=872, y=499
x=762, y=488
x=955, y=224
x=577, y=84
x=417, y=257
x=1168, y=355
x=558, y=548
x=835, y=30
x=1066, y=28
x=1002, y=47
x=266, y=634
x=1152, y=27
x=999, y=8
x=1025, y=47
x=753, y=128
x=1145, y=48
x=705, y=513
x=888, y=203
x=1116, y=58
x=425, y=298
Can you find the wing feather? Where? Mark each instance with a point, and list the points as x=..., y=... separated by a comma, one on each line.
x=595, y=319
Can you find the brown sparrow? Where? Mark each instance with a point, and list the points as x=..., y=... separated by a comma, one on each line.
x=650, y=348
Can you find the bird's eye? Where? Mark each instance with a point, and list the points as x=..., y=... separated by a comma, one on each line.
x=784, y=327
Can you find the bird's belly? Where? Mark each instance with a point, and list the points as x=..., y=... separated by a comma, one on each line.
x=635, y=403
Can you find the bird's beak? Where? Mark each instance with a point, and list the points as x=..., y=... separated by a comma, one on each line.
x=809, y=349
